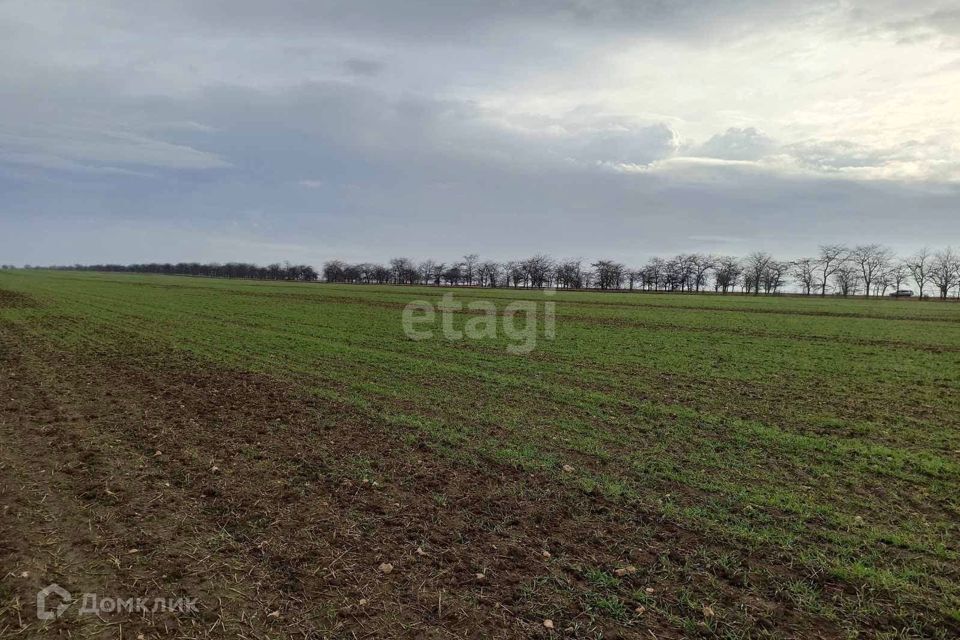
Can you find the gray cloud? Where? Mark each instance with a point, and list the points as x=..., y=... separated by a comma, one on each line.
x=944, y=21
x=306, y=130
x=630, y=145
x=474, y=18
x=361, y=67
x=737, y=144
x=97, y=149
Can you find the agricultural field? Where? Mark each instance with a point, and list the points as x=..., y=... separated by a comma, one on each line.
x=666, y=466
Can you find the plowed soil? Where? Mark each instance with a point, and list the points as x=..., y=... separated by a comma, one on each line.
x=277, y=511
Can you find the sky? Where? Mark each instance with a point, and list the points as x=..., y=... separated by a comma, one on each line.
x=309, y=130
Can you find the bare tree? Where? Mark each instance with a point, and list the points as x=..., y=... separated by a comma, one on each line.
x=882, y=282
x=897, y=274
x=872, y=260
x=333, y=271
x=470, y=267
x=569, y=274
x=943, y=271
x=438, y=271
x=588, y=278
x=773, y=276
x=958, y=278
x=845, y=278
x=831, y=258
x=654, y=272
x=488, y=273
x=700, y=264
x=514, y=272
x=538, y=270
x=381, y=274
x=804, y=271
x=609, y=274
x=678, y=273
x=397, y=266
x=727, y=273
x=683, y=271
x=454, y=274
x=426, y=270
x=755, y=265
x=919, y=266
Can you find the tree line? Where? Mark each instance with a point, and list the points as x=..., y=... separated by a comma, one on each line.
x=870, y=270
x=276, y=271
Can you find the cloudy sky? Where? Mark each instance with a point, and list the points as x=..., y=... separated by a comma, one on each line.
x=364, y=129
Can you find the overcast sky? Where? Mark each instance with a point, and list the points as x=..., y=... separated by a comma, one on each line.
x=309, y=129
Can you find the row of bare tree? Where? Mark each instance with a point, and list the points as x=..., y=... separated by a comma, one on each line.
x=870, y=270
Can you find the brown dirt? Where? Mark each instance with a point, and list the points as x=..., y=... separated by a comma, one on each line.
x=276, y=508
x=15, y=300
